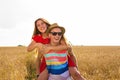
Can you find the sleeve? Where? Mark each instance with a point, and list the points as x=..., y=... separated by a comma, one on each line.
x=35, y=38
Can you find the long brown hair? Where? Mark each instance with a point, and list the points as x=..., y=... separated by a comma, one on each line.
x=36, y=31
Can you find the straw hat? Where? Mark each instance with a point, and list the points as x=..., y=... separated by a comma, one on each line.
x=55, y=25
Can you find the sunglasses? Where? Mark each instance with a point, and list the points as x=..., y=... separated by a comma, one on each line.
x=55, y=33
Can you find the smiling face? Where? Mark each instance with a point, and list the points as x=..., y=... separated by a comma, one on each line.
x=55, y=35
x=41, y=26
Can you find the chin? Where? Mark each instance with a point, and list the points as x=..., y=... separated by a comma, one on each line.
x=56, y=41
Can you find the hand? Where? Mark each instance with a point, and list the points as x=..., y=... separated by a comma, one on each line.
x=69, y=48
x=39, y=45
x=49, y=47
x=82, y=78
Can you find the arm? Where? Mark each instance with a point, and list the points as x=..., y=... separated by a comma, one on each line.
x=31, y=46
x=72, y=56
x=66, y=45
x=70, y=51
x=57, y=48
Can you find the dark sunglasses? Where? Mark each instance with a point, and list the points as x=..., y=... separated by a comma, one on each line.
x=55, y=33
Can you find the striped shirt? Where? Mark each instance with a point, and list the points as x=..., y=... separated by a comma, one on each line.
x=57, y=64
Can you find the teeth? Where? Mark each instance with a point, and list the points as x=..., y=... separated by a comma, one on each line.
x=57, y=39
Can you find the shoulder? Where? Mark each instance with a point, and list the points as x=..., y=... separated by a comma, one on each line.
x=37, y=37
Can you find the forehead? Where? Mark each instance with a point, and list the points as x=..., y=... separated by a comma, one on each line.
x=40, y=21
x=56, y=30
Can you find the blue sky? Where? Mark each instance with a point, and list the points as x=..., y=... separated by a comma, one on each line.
x=87, y=22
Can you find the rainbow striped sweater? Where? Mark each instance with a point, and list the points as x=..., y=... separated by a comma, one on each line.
x=57, y=63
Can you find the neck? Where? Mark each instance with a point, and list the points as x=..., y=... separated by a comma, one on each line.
x=54, y=44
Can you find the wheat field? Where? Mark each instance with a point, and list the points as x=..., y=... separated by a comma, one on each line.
x=95, y=62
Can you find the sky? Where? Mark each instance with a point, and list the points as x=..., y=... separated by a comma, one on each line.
x=87, y=22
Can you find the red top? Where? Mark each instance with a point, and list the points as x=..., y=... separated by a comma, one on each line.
x=40, y=39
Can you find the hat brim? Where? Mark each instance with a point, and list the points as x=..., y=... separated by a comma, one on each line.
x=55, y=26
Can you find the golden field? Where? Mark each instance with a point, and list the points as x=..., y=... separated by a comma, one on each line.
x=95, y=62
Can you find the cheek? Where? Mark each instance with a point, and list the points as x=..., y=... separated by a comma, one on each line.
x=45, y=25
x=45, y=28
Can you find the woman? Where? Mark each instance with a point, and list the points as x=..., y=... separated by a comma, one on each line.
x=57, y=61
x=40, y=36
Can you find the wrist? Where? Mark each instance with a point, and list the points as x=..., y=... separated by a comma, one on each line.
x=36, y=45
